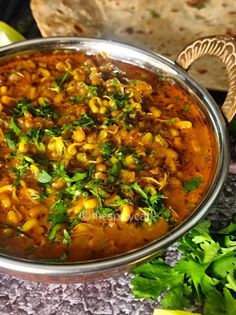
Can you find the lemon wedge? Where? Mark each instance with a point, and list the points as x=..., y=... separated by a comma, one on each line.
x=9, y=35
x=172, y=312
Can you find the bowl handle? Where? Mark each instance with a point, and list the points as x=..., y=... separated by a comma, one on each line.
x=223, y=47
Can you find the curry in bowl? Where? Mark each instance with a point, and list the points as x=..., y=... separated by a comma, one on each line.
x=98, y=157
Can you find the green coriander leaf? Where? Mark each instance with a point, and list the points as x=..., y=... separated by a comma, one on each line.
x=92, y=90
x=44, y=177
x=53, y=232
x=120, y=202
x=106, y=213
x=45, y=110
x=193, y=184
x=22, y=106
x=107, y=150
x=14, y=127
x=57, y=218
x=231, y=281
x=10, y=142
x=78, y=99
x=57, y=86
x=229, y=302
x=214, y=303
x=223, y=266
x=174, y=298
x=139, y=190
x=85, y=120
x=78, y=176
x=67, y=238
x=147, y=288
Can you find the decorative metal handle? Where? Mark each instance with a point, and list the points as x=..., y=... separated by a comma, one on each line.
x=223, y=47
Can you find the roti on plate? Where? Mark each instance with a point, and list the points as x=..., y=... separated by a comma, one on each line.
x=165, y=27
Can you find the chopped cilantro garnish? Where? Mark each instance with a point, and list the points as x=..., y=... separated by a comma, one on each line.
x=192, y=184
x=14, y=127
x=10, y=141
x=21, y=169
x=53, y=232
x=107, y=150
x=124, y=114
x=45, y=110
x=58, y=84
x=67, y=238
x=106, y=213
x=78, y=176
x=78, y=99
x=92, y=90
x=58, y=212
x=154, y=206
x=21, y=107
x=44, y=177
x=120, y=202
x=35, y=136
x=85, y=120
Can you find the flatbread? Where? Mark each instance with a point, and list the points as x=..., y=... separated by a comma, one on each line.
x=165, y=27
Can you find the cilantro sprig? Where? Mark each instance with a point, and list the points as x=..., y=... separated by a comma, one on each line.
x=205, y=274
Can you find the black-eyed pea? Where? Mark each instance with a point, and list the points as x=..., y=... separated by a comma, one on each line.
x=90, y=203
x=101, y=176
x=183, y=124
x=58, y=98
x=174, y=132
x=62, y=66
x=44, y=74
x=94, y=104
x=13, y=218
x=103, y=110
x=3, y=90
x=102, y=135
x=82, y=157
x=126, y=212
x=101, y=167
x=147, y=139
x=81, y=228
x=78, y=134
x=79, y=75
x=35, y=212
x=89, y=146
x=29, y=224
x=127, y=176
x=155, y=112
x=7, y=100
x=5, y=201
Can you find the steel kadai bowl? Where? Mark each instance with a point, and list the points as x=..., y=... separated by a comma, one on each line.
x=219, y=46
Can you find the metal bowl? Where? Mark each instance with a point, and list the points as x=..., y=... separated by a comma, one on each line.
x=218, y=46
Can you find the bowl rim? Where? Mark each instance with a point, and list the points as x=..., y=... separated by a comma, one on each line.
x=152, y=249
